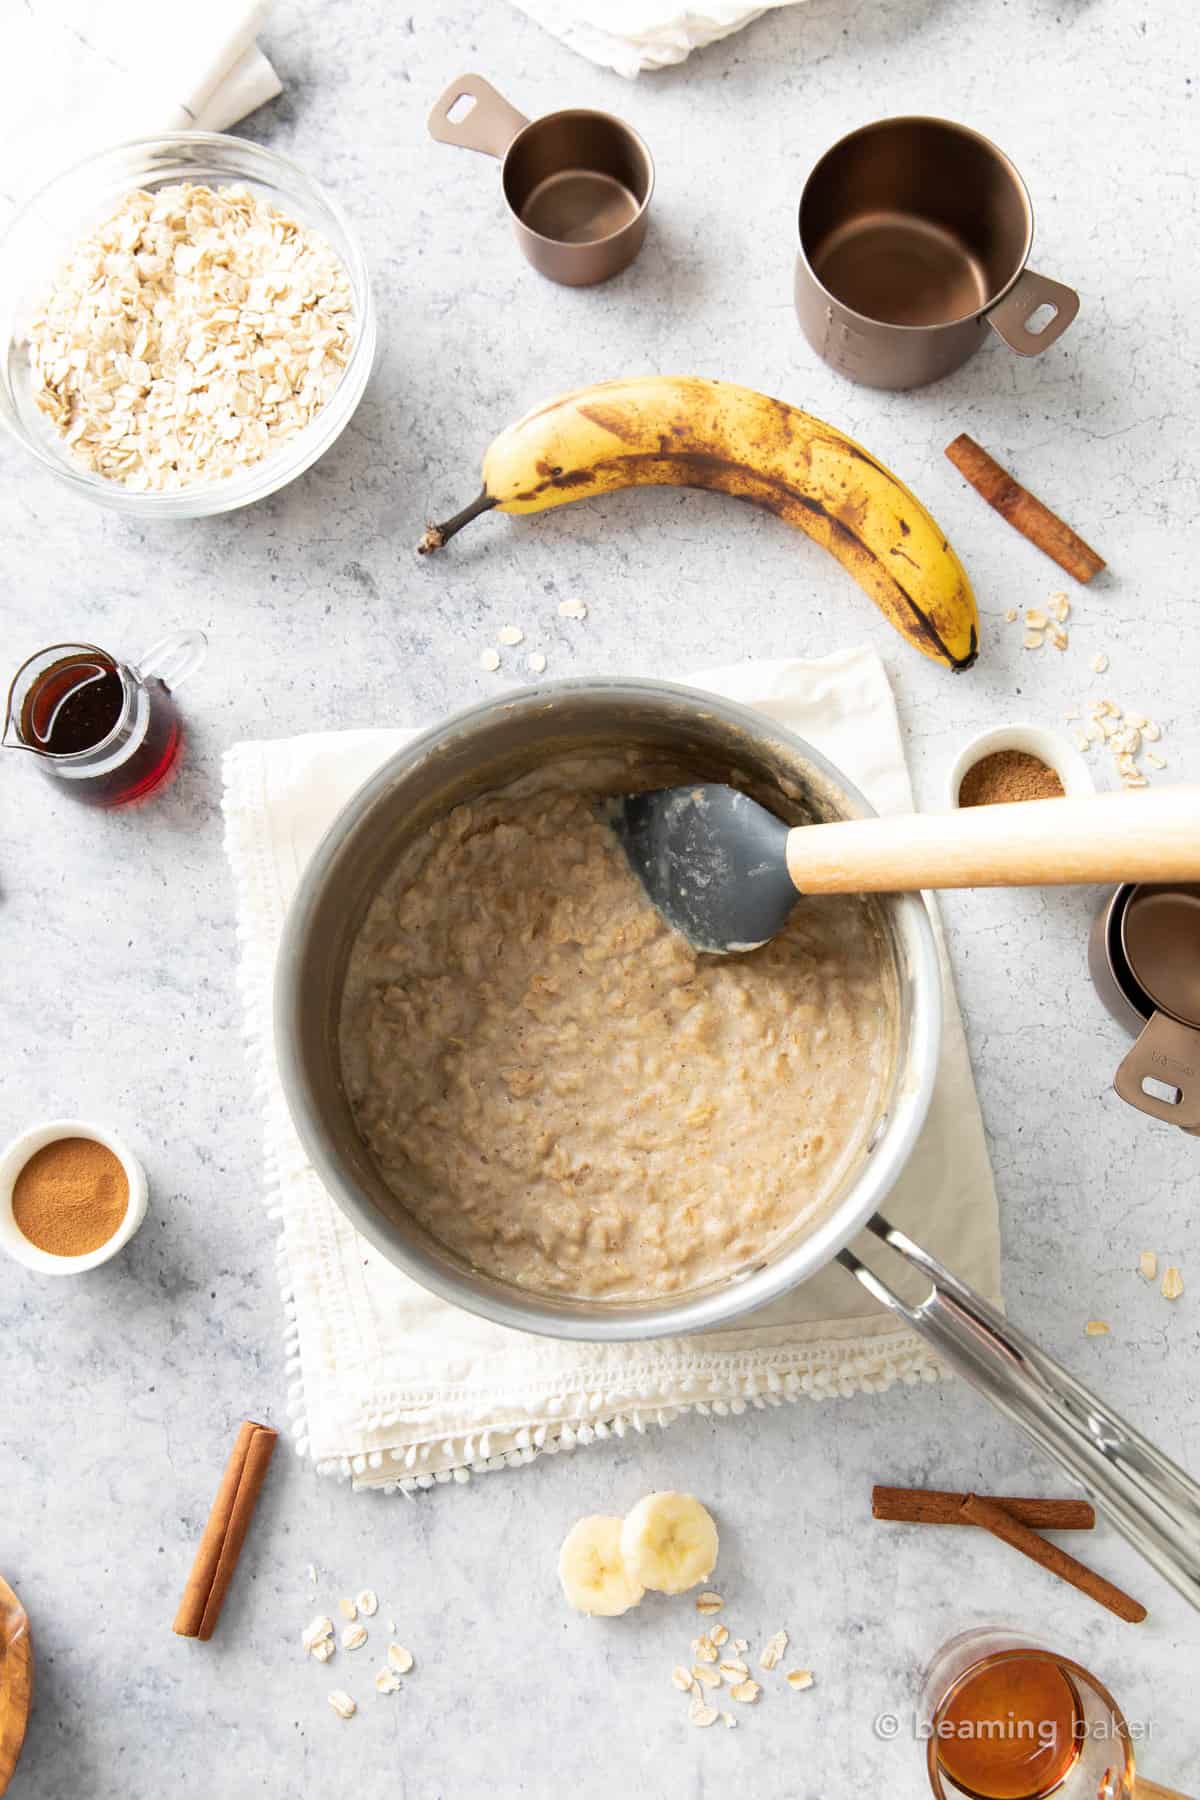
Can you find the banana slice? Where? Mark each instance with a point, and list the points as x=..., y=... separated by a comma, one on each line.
x=593, y=1574
x=669, y=1542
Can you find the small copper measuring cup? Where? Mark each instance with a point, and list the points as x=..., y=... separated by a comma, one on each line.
x=577, y=183
x=1144, y=958
x=914, y=236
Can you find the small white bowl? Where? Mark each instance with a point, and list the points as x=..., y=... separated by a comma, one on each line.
x=1035, y=740
x=13, y=1160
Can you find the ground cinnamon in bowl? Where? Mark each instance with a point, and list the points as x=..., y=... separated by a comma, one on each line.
x=70, y=1197
x=1008, y=775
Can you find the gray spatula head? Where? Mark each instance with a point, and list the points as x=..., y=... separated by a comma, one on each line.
x=711, y=859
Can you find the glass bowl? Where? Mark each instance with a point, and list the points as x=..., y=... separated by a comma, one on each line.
x=41, y=237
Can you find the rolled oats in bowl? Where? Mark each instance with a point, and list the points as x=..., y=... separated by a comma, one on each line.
x=187, y=324
x=194, y=330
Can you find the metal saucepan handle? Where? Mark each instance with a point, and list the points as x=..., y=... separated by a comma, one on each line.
x=490, y=125
x=1149, y=1499
x=1169, y=1053
x=1009, y=318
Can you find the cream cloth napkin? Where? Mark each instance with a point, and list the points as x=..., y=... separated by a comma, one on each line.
x=632, y=35
x=82, y=75
x=396, y=1388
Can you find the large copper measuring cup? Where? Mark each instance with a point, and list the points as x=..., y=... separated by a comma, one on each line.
x=914, y=239
x=1144, y=957
x=577, y=184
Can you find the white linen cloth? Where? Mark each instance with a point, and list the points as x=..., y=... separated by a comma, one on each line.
x=632, y=35
x=82, y=75
x=396, y=1388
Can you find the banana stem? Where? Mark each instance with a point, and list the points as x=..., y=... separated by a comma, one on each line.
x=437, y=535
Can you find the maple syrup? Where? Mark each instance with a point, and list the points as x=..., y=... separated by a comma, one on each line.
x=1012, y=1730
x=107, y=731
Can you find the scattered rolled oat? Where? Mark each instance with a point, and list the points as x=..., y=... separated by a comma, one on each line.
x=399, y=1658
x=354, y=1637
x=741, y=1645
x=348, y=1609
x=1011, y=615
x=367, y=1603
x=729, y=1719
x=702, y=1715
x=719, y=1635
x=1172, y=1284
x=1060, y=606
x=733, y=1669
x=682, y=1678
x=189, y=333
x=489, y=661
x=746, y=1691
x=1148, y=1265
x=536, y=662
x=1035, y=618
x=1125, y=735
x=342, y=1704
x=510, y=634
x=706, y=1675
x=1033, y=640
x=316, y=1632
x=572, y=609
x=708, y=1602
x=387, y=1681
x=1096, y=1328
x=1058, y=637
x=324, y=1650
x=773, y=1649
x=705, y=1649
x=1100, y=663
x=799, y=1679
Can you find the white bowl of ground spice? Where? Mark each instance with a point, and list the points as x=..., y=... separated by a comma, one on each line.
x=1017, y=762
x=71, y=1196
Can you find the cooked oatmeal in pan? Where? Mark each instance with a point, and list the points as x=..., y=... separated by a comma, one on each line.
x=563, y=1092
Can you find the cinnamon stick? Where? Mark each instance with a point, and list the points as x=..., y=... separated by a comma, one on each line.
x=1026, y=514
x=933, y=1506
x=978, y=1511
x=225, y=1533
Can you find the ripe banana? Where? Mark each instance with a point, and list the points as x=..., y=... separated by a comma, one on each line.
x=593, y=1575
x=669, y=1542
x=684, y=431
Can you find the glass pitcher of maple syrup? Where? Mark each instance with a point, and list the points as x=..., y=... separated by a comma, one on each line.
x=108, y=731
x=1006, y=1719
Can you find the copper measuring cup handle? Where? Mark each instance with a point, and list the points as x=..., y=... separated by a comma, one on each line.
x=1010, y=316
x=490, y=125
x=1151, y=1500
x=1169, y=1053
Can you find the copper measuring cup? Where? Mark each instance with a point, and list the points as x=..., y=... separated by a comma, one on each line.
x=914, y=238
x=577, y=184
x=1144, y=958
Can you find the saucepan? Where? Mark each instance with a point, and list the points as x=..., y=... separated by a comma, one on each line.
x=1153, y=1502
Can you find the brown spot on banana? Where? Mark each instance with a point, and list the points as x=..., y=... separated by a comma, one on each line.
x=614, y=419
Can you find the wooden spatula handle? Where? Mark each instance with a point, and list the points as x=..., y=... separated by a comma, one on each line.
x=1151, y=1790
x=1140, y=835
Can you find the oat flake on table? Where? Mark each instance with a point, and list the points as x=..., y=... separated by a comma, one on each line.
x=190, y=333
